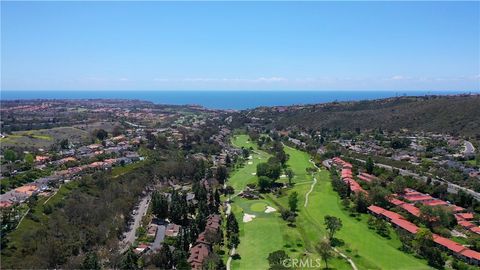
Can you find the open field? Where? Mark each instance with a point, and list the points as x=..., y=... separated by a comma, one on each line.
x=44, y=138
x=267, y=232
x=90, y=127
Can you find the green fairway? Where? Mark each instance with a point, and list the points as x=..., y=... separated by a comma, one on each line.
x=367, y=249
x=267, y=232
x=258, y=237
x=246, y=174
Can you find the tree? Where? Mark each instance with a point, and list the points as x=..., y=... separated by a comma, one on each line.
x=271, y=169
x=245, y=153
x=293, y=201
x=398, y=185
x=332, y=224
x=213, y=262
x=361, y=202
x=423, y=238
x=232, y=224
x=276, y=259
x=129, y=260
x=10, y=155
x=222, y=174
x=64, y=144
x=369, y=165
x=398, y=143
x=163, y=258
x=233, y=241
x=29, y=159
x=290, y=175
x=324, y=248
x=281, y=156
x=378, y=196
x=159, y=205
x=229, y=190
x=91, y=261
x=101, y=134
x=423, y=244
x=264, y=183
x=117, y=130
x=381, y=226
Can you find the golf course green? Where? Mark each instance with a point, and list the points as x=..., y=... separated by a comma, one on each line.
x=268, y=232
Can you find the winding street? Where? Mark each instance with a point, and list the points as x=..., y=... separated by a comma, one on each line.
x=137, y=217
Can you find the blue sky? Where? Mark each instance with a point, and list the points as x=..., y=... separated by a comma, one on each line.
x=240, y=46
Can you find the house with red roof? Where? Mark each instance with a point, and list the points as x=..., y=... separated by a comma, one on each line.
x=198, y=253
x=471, y=256
x=466, y=216
x=366, y=177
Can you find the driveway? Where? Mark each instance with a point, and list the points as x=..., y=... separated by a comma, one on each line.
x=159, y=237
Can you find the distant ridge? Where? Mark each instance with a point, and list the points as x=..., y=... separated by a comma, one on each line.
x=457, y=114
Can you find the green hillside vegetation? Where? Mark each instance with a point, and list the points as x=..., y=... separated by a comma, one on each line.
x=44, y=138
x=447, y=114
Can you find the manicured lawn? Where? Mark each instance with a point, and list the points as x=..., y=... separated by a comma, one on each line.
x=268, y=232
x=368, y=249
x=245, y=175
x=258, y=237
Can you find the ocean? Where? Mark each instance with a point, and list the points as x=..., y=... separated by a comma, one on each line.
x=223, y=99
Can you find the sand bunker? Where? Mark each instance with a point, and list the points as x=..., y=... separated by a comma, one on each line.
x=270, y=209
x=253, y=173
x=283, y=176
x=248, y=218
x=250, y=157
x=250, y=163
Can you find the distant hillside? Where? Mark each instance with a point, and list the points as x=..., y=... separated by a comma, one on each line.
x=447, y=114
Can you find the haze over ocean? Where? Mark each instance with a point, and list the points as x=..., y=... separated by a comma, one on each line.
x=223, y=99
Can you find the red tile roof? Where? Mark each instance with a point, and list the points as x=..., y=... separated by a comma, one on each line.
x=466, y=224
x=375, y=209
x=363, y=178
x=447, y=243
x=418, y=198
x=435, y=202
x=395, y=201
x=411, y=209
x=406, y=225
x=471, y=254
x=475, y=230
x=465, y=215
x=198, y=253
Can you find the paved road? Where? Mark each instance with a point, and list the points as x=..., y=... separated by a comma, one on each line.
x=229, y=261
x=354, y=267
x=313, y=183
x=159, y=237
x=130, y=234
x=452, y=188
